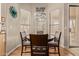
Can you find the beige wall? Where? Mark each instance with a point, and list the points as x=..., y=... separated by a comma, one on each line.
x=13, y=27
x=25, y=6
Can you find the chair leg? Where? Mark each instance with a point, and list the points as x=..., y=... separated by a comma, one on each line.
x=54, y=48
x=25, y=48
x=59, y=51
x=21, y=50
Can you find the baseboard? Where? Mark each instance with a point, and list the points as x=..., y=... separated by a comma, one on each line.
x=7, y=54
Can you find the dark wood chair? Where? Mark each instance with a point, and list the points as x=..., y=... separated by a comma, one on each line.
x=55, y=43
x=24, y=42
x=39, y=45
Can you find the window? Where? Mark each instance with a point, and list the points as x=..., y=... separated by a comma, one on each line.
x=54, y=21
x=25, y=21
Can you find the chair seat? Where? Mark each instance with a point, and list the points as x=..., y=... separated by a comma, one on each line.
x=26, y=42
x=52, y=43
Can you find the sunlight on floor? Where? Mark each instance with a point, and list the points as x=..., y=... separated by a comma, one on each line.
x=75, y=51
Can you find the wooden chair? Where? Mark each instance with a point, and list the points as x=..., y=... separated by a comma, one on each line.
x=25, y=42
x=55, y=43
x=39, y=45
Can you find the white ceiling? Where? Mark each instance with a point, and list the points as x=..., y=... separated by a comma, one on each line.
x=32, y=6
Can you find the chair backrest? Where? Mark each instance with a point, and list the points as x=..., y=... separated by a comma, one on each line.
x=39, y=40
x=57, y=34
x=57, y=37
x=39, y=45
x=23, y=35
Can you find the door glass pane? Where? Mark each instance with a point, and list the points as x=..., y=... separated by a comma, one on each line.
x=74, y=20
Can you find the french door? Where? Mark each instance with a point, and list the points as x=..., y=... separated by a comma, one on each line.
x=74, y=25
